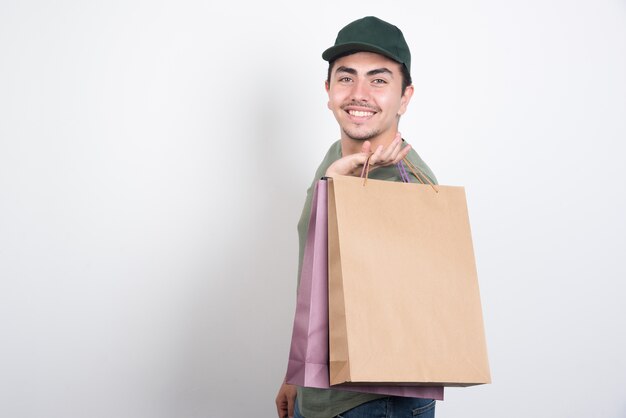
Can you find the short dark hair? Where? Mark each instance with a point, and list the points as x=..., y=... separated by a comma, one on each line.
x=406, y=76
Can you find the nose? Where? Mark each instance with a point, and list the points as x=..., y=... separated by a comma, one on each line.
x=360, y=91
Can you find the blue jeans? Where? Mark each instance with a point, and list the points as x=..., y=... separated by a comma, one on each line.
x=390, y=407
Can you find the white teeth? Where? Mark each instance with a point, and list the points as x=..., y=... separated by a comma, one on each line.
x=360, y=113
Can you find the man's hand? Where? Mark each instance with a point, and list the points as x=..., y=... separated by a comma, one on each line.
x=285, y=400
x=352, y=165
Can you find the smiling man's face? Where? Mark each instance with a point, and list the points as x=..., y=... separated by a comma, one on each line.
x=366, y=97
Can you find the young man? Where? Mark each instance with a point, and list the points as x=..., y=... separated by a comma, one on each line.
x=369, y=88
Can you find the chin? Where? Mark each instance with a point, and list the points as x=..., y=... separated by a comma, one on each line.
x=361, y=136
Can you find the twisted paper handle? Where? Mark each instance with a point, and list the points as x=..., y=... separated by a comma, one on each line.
x=419, y=174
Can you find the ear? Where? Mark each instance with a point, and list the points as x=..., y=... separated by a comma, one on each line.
x=405, y=99
x=327, y=87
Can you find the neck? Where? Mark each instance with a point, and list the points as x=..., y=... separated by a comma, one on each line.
x=352, y=146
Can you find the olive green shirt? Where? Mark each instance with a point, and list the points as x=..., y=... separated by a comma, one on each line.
x=327, y=403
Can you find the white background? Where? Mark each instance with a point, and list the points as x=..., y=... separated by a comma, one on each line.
x=154, y=157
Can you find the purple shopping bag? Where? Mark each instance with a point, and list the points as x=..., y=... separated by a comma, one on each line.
x=308, y=356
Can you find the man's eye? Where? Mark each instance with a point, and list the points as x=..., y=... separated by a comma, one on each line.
x=379, y=81
x=345, y=79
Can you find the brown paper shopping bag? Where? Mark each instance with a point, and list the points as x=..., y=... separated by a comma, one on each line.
x=404, y=303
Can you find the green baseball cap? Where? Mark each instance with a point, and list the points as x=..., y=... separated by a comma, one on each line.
x=371, y=34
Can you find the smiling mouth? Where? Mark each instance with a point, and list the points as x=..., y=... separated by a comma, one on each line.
x=360, y=113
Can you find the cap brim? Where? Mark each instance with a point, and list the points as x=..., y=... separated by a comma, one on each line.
x=335, y=51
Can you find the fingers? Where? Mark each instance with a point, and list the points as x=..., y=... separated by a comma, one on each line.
x=394, y=153
x=403, y=153
x=352, y=165
x=392, y=150
x=281, y=408
x=284, y=399
x=377, y=156
x=291, y=406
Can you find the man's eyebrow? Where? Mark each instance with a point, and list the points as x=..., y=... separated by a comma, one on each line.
x=383, y=70
x=380, y=71
x=348, y=70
